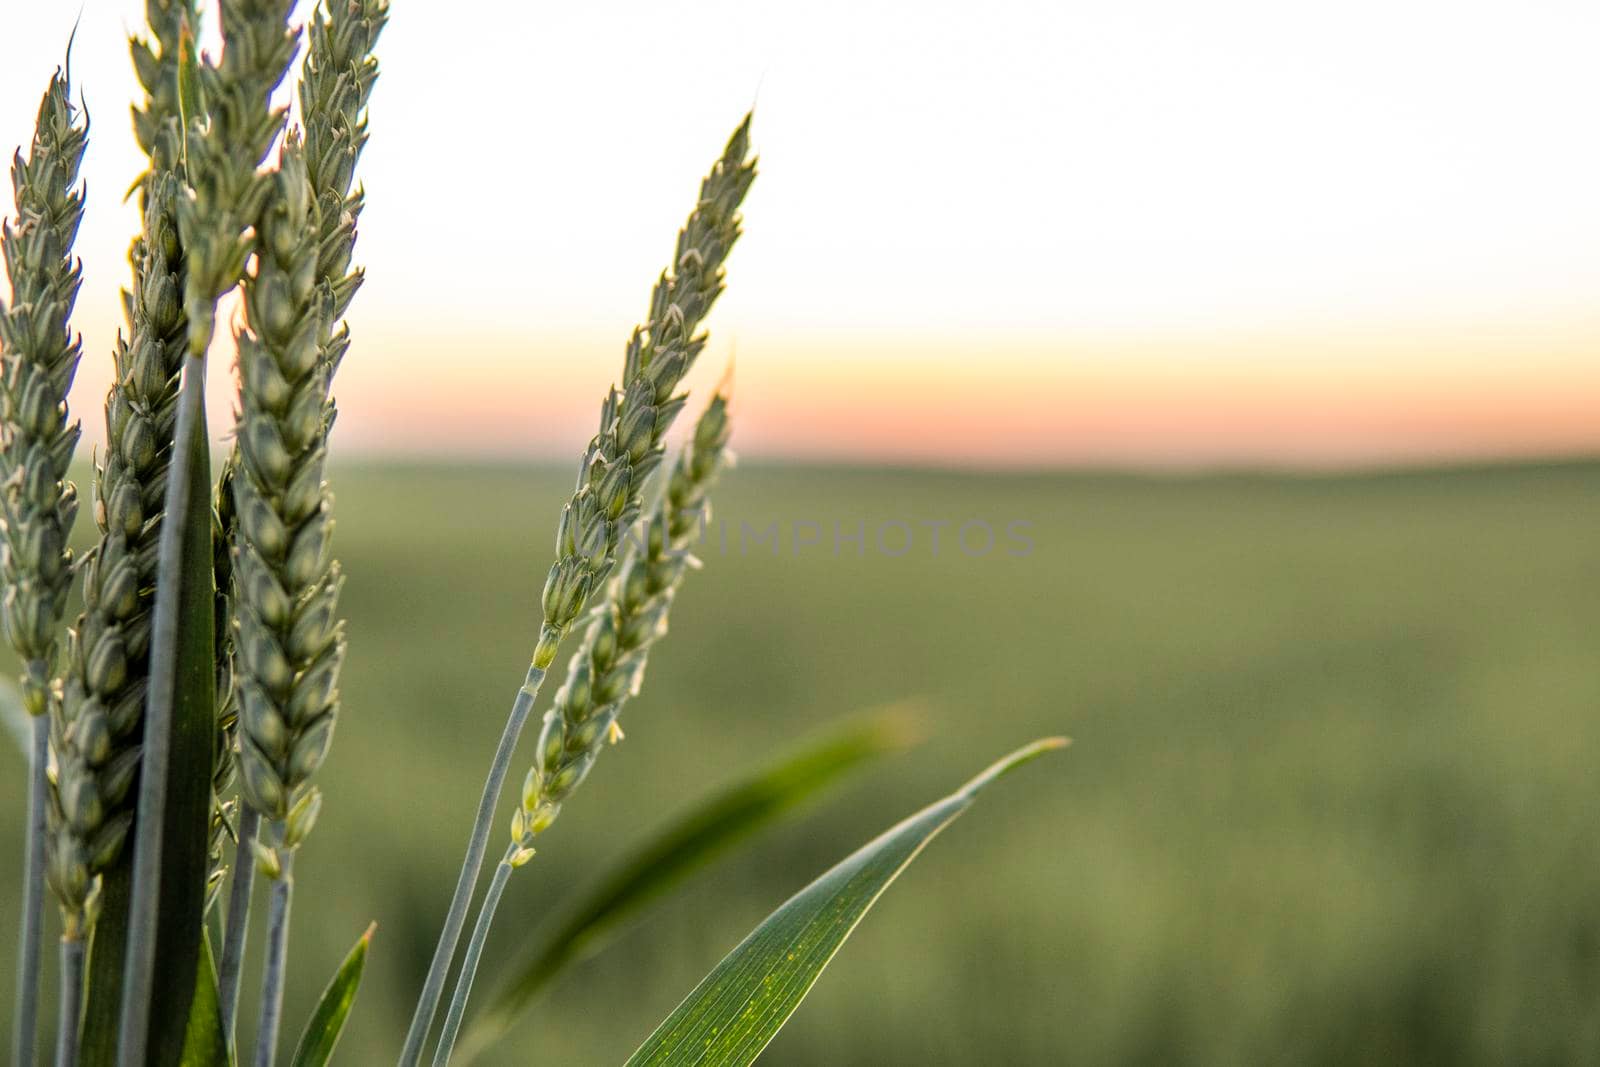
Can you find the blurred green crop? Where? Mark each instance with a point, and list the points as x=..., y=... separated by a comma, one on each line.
x=1331, y=799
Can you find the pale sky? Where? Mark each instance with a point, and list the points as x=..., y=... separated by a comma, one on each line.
x=1144, y=232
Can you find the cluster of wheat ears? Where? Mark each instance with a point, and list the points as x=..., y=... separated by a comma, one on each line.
x=178, y=722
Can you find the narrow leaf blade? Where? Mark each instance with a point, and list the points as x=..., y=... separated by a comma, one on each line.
x=688, y=844
x=327, y=1022
x=205, y=1045
x=108, y=944
x=738, y=1008
x=166, y=913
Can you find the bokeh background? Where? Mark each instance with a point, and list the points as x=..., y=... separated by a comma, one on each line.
x=1273, y=326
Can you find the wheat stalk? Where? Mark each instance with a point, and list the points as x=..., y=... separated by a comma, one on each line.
x=335, y=87
x=37, y=503
x=604, y=673
x=288, y=641
x=611, y=477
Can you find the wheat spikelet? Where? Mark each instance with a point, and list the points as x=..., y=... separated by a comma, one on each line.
x=287, y=640
x=608, y=667
x=633, y=420
x=224, y=149
x=96, y=744
x=40, y=353
x=286, y=590
x=335, y=87
x=156, y=125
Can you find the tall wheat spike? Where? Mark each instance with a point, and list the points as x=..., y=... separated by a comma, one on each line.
x=95, y=738
x=611, y=477
x=335, y=88
x=37, y=504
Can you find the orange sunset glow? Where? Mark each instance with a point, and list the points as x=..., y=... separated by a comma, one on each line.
x=1020, y=234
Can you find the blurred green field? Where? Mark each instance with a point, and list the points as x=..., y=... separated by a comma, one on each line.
x=1332, y=796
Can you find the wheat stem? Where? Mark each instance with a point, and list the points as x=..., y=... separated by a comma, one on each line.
x=38, y=357
x=233, y=940
x=71, y=1001
x=611, y=478
x=467, y=880
x=311, y=216
x=31, y=936
x=277, y=957
x=469, y=964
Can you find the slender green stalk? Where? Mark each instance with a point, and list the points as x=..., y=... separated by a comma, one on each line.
x=31, y=937
x=233, y=941
x=277, y=957
x=71, y=1002
x=611, y=478
x=477, y=845
x=469, y=964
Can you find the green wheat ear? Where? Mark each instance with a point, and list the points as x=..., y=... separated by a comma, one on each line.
x=627, y=448
x=606, y=671
x=287, y=638
x=37, y=504
x=611, y=478
x=96, y=745
x=40, y=353
x=608, y=667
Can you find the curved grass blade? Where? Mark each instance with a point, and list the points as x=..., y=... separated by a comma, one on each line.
x=327, y=1022
x=691, y=842
x=205, y=1045
x=108, y=944
x=166, y=912
x=738, y=1008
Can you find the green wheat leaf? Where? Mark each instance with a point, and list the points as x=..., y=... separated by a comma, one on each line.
x=327, y=1022
x=738, y=1008
x=672, y=856
x=205, y=1045
x=166, y=913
